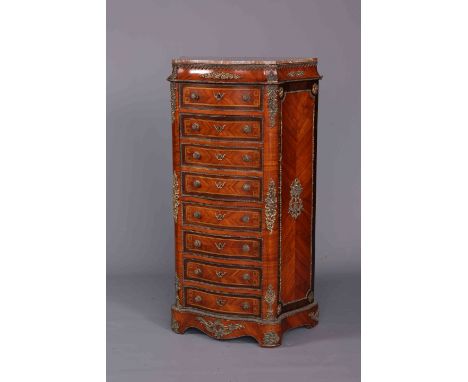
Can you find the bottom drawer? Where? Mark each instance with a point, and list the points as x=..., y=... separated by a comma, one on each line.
x=218, y=302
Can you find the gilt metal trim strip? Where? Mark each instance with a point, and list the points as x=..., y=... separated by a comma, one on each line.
x=205, y=66
x=296, y=73
x=177, y=289
x=277, y=320
x=270, y=297
x=220, y=76
x=272, y=94
x=175, y=197
x=173, y=75
x=270, y=206
x=173, y=101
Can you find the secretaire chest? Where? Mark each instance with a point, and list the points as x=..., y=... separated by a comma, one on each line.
x=243, y=195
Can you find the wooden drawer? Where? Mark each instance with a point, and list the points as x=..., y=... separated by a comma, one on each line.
x=222, y=157
x=223, y=246
x=222, y=187
x=231, y=218
x=232, y=128
x=222, y=274
x=218, y=302
x=226, y=97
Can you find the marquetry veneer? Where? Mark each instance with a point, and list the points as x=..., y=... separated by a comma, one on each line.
x=244, y=157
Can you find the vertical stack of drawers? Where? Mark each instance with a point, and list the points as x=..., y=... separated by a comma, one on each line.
x=225, y=208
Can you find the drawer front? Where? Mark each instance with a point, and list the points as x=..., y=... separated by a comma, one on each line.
x=219, y=187
x=222, y=157
x=221, y=274
x=240, y=128
x=223, y=218
x=226, y=97
x=218, y=302
x=222, y=246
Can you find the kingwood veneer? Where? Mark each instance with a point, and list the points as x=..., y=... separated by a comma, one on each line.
x=244, y=156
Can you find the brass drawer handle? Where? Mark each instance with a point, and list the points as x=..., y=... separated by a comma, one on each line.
x=195, y=126
x=196, y=155
x=194, y=96
x=245, y=218
x=220, y=156
x=247, y=129
x=246, y=276
x=220, y=216
x=220, y=245
x=197, y=243
x=246, y=158
x=219, y=128
x=220, y=302
x=196, y=184
x=246, y=248
x=219, y=96
x=197, y=271
x=220, y=185
x=197, y=298
x=246, y=98
x=245, y=306
x=246, y=187
x=220, y=274
x=197, y=214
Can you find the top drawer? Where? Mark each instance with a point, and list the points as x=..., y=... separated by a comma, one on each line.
x=225, y=97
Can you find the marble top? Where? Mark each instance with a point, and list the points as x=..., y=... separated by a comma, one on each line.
x=243, y=60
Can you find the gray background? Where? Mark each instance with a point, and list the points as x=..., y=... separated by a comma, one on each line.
x=142, y=37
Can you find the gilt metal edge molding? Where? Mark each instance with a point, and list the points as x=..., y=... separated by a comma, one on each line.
x=220, y=76
x=204, y=66
x=270, y=339
x=270, y=206
x=218, y=329
x=177, y=289
x=213, y=315
x=296, y=73
x=295, y=203
x=173, y=75
x=175, y=197
x=272, y=94
x=270, y=69
x=173, y=101
x=270, y=299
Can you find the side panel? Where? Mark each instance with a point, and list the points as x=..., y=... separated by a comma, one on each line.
x=176, y=193
x=297, y=196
